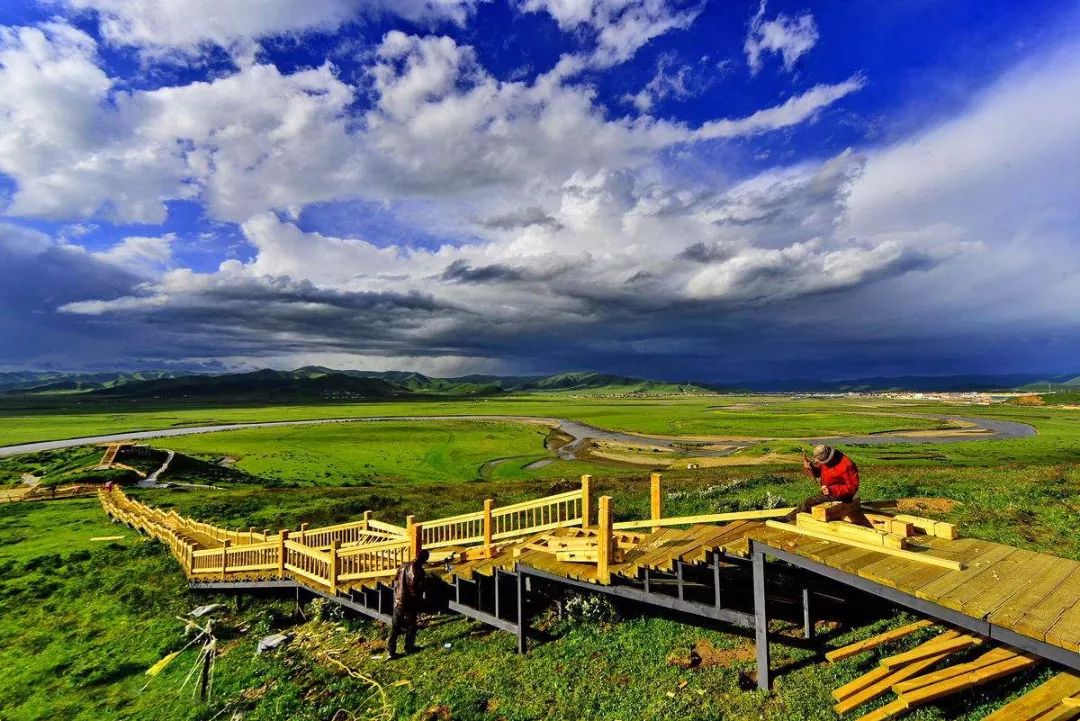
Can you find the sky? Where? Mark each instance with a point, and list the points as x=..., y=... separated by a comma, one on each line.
x=715, y=190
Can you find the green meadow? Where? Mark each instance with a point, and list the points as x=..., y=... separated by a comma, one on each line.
x=39, y=420
x=82, y=620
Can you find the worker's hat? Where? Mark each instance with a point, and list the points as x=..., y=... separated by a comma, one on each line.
x=824, y=454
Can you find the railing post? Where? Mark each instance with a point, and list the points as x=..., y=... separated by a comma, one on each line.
x=655, y=502
x=251, y=534
x=266, y=533
x=488, y=532
x=603, y=549
x=303, y=532
x=367, y=520
x=415, y=539
x=586, y=500
x=282, y=537
x=334, y=546
x=410, y=521
x=224, y=557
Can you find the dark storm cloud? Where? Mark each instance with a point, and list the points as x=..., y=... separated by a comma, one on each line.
x=461, y=272
x=521, y=219
x=704, y=253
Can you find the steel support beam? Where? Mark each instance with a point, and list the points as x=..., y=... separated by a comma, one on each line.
x=807, y=615
x=725, y=615
x=761, y=619
x=522, y=621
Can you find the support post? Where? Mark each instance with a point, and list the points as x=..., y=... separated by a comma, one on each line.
x=251, y=534
x=681, y=578
x=489, y=504
x=415, y=540
x=282, y=537
x=603, y=552
x=761, y=620
x=586, y=501
x=303, y=532
x=367, y=520
x=716, y=579
x=655, y=502
x=334, y=546
x=224, y=557
x=410, y=521
x=808, y=619
x=266, y=532
x=522, y=621
x=498, y=604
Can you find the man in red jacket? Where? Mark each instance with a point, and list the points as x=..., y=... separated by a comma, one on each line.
x=837, y=475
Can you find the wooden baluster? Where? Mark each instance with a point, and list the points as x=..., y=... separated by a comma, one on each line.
x=603, y=554
x=586, y=500
x=655, y=500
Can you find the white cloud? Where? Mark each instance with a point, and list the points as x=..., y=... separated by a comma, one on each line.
x=140, y=254
x=927, y=238
x=258, y=139
x=620, y=27
x=186, y=25
x=790, y=37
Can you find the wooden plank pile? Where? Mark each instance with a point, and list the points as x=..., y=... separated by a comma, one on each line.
x=874, y=530
x=1056, y=700
x=911, y=676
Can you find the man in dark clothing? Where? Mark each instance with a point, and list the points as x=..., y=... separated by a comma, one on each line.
x=837, y=475
x=408, y=595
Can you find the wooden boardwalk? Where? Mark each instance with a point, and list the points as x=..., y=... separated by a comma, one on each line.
x=1021, y=599
x=1033, y=594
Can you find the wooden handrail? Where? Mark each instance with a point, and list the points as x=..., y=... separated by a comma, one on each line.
x=706, y=518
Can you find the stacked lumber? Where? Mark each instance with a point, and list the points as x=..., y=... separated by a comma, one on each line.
x=849, y=524
x=910, y=675
x=1058, y=699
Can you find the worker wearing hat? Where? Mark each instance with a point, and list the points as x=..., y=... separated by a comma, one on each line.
x=837, y=475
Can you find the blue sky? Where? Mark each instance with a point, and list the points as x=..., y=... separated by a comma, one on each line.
x=710, y=190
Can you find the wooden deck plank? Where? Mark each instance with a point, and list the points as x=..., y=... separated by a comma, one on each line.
x=1043, y=616
x=1040, y=700
x=1066, y=632
x=992, y=598
x=1041, y=588
x=940, y=588
x=911, y=578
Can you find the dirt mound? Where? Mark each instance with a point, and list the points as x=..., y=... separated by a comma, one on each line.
x=703, y=655
x=926, y=505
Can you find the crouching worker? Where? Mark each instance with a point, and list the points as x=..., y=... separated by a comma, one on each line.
x=408, y=597
x=836, y=474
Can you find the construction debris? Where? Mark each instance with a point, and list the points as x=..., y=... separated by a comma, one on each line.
x=269, y=643
x=201, y=611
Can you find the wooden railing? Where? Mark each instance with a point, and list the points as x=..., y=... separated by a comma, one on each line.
x=330, y=555
x=372, y=560
x=543, y=514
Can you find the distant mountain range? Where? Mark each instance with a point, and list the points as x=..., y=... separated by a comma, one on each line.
x=316, y=382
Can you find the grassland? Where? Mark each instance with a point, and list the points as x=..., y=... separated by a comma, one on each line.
x=80, y=621
x=676, y=416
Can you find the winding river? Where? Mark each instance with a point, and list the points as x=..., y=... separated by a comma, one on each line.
x=977, y=429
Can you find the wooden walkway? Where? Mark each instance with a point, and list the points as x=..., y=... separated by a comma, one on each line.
x=1023, y=600
x=1032, y=594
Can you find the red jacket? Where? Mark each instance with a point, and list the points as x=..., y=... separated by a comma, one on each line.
x=841, y=478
